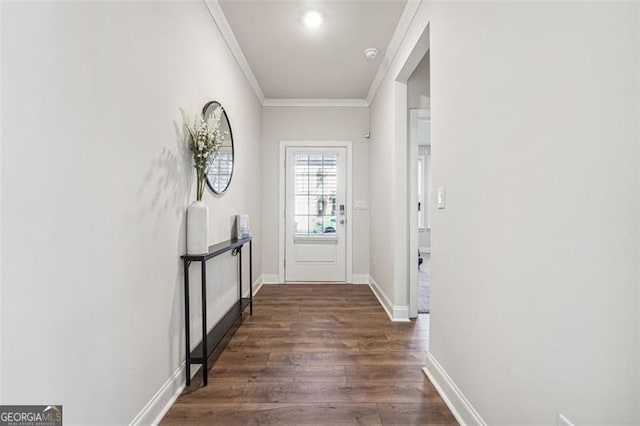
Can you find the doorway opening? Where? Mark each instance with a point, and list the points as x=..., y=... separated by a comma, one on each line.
x=420, y=138
x=413, y=104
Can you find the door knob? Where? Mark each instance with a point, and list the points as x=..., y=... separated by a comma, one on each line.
x=341, y=221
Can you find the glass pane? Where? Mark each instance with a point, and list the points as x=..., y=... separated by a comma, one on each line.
x=330, y=186
x=315, y=224
x=315, y=163
x=302, y=205
x=302, y=186
x=332, y=209
x=302, y=159
x=321, y=204
x=329, y=225
x=302, y=225
x=330, y=160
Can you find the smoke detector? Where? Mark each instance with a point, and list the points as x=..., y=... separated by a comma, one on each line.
x=371, y=53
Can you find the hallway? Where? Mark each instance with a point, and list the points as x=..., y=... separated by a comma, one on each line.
x=317, y=354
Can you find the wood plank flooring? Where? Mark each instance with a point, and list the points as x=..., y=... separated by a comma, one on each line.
x=317, y=355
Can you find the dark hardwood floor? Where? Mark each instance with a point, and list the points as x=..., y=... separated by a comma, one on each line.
x=317, y=355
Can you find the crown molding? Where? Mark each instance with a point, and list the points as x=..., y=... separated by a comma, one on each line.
x=220, y=19
x=315, y=103
x=406, y=18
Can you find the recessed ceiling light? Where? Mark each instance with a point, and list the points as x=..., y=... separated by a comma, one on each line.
x=313, y=19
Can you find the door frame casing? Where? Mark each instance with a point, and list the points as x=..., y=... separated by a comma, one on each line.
x=403, y=261
x=282, y=200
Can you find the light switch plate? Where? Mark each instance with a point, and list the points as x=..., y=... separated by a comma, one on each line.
x=441, y=201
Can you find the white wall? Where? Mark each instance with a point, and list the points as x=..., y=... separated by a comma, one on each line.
x=95, y=182
x=418, y=89
x=314, y=124
x=1, y=133
x=638, y=133
x=534, y=270
x=638, y=130
x=382, y=177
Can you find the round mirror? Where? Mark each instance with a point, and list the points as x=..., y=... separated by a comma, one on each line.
x=221, y=168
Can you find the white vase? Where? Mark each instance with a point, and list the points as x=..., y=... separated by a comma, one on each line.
x=197, y=228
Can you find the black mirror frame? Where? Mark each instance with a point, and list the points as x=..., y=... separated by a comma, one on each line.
x=233, y=150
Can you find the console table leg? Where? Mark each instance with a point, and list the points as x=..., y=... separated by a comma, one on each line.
x=251, y=277
x=240, y=277
x=204, y=324
x=187, y=328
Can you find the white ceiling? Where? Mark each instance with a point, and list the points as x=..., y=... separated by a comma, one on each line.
x=291, y=61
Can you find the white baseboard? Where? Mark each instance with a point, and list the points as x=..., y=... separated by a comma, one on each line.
x=157, y=407
x=382, y=297
x=459, y=405
x=360, y=279
x=257, y=285
x=395, y=313
x=270, y=279
x=355, y=279
x=401, y=314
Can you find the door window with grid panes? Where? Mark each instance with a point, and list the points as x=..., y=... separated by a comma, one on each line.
x=315, y=193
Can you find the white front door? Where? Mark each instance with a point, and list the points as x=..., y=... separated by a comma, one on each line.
x=315, y=215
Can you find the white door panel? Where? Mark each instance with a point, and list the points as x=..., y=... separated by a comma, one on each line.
x=315, y=189
x=323, y=253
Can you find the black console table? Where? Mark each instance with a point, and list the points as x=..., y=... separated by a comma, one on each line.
x=210, y=340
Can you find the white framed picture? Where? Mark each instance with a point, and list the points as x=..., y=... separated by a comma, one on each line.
x=243, y=226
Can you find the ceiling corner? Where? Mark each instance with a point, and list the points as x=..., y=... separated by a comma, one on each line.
x=405, y=21
x=220, y=19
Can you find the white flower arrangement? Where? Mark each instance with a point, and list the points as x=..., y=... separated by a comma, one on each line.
x=205, y=140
